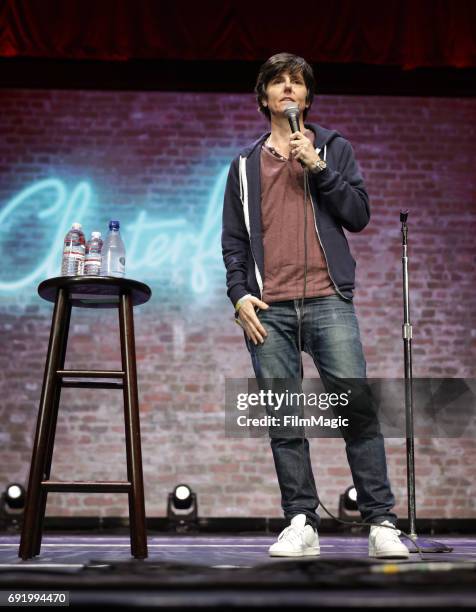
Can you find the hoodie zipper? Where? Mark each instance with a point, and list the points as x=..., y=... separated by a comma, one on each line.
x=256, y=268
x=322, y=247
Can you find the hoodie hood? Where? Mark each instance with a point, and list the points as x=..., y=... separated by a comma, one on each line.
x=322, y=137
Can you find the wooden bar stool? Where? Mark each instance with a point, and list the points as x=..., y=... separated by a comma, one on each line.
x=86, y=292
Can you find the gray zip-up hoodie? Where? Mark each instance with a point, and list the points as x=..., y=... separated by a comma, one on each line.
x=339, y=200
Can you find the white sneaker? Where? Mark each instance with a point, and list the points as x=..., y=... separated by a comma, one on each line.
x=385, y=543
x=297, y=540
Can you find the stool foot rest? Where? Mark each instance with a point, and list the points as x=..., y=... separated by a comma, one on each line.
x=91, y=384
x=91, y=373
x=86, y=486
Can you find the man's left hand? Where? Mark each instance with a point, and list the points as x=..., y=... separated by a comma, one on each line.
x=301, y=148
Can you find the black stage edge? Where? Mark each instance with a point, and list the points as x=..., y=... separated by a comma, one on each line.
x=229, y=77
x=230, y=525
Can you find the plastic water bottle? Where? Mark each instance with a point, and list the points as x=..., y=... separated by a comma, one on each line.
x=92, y=263
x=73, y=252
x=113, y=252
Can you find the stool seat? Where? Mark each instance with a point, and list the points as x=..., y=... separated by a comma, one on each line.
x=86, y=292
x=95, y=291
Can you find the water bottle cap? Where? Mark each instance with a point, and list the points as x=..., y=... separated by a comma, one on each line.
x=114, y=224
x=96, y=234
x=76, y=226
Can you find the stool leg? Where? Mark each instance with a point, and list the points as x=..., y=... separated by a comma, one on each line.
x=132, y=426
x=51, y=434
x=29, y=535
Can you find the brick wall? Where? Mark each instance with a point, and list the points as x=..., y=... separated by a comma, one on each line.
x=154, y=160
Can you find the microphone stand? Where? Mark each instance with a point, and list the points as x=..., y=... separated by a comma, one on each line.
x=423, y=544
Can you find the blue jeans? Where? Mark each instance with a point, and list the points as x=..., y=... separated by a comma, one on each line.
x=330, y=335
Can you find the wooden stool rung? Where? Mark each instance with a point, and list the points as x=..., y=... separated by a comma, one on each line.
x=86, y=486
x=91, y=384
x=91, y=373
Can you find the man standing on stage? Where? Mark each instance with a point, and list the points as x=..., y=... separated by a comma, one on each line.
x=290, y=271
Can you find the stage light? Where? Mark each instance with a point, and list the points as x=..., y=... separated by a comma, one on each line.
x=348, y=504
x=12, y=505
x=15, y=496
x=182, y=510
x=182, y=497
x=350, y=499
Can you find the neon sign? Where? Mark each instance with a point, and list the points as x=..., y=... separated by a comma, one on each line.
x=169, y=248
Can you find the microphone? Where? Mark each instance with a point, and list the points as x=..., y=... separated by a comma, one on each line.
x=292, y=113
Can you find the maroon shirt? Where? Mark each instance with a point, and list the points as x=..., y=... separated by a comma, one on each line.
x=282, y=216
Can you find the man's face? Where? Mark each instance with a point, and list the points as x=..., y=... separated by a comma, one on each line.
x=285, y=89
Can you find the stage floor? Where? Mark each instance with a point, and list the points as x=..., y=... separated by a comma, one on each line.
x=190, y=571
x=210, y=551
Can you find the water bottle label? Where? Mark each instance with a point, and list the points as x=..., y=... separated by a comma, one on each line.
x=119, y=267
x=73, y=263
x=92, y=265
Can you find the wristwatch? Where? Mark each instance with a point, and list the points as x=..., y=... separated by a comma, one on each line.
x=319, y=165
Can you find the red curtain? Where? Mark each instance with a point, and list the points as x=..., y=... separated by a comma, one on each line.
x=407, y=33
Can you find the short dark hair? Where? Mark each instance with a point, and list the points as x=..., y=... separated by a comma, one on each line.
x=275, y=65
